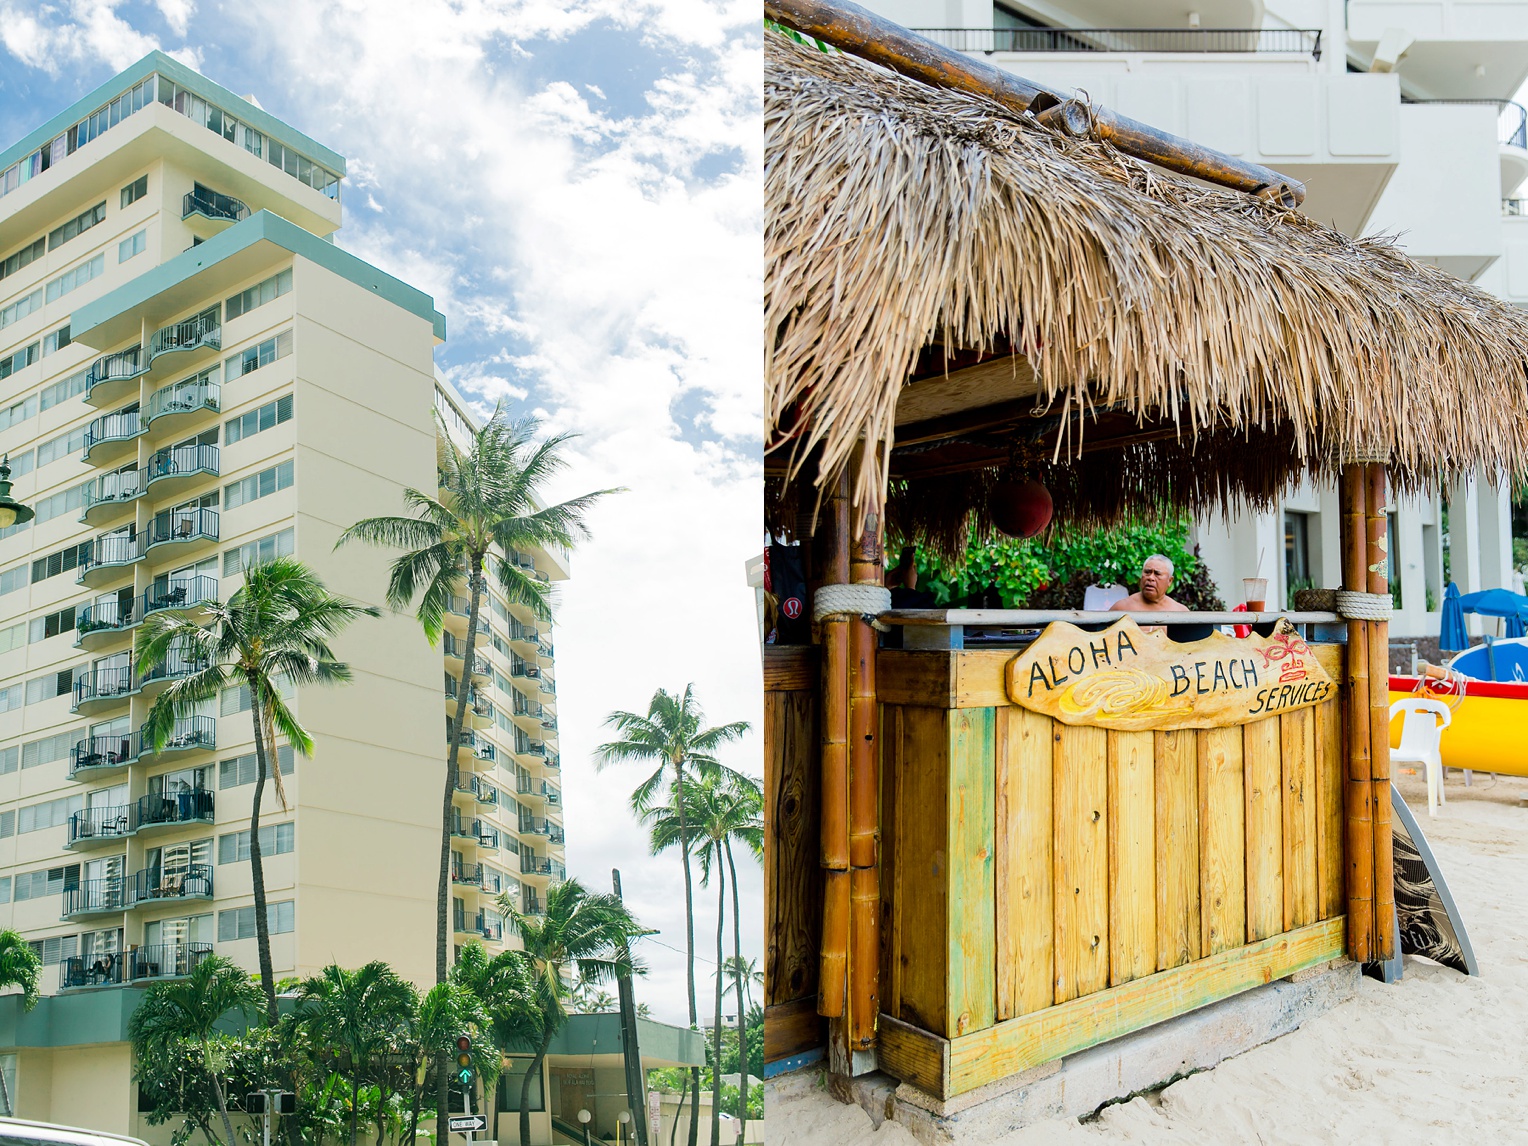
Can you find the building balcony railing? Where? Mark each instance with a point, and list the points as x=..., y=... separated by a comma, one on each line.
x=161, y=961
x=105, y=615
x=1288, y=41
x=485, y=793
x=97, y=897
x=556, y=835
x=97, y=688
x=212, y=205
x=102, y=755
x=111, y=430
x=182, y=526
x=193, y=734
x=109, y=491
x=521, y=669
x=1511, y=121
x=490, y=926
x=184, y=398
x=467, y=873
x=493, y=882
x=200, y=330
x=180, y=593
x=1514, y=207
x=553, y=795
x=104, y=378
x=104, y=825
x=154, y=885
x=532, y=905
x=163, y=810
x=535, y=826
x=176, y=466
x=111, y=551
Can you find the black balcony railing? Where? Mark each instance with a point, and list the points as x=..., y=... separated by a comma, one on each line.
x=114, y=368
x=469, y=873
x=107, y=823
x=490, y=925
x=114, y=489
x=1511, y=120
x=1302, y=41
x=189, y=734
x=166, y=960
x=104, y=684
x=180, y=593
x=104, y=970
x=203, y=329
x=212, y=204
x=108, y=613
x=113, y=549
x=183, y=525
x=184, y=398
x=193, y=806
x=103, y=752
x=97, y=895
x=175, y=665
x=193, y=881
x=117, y=427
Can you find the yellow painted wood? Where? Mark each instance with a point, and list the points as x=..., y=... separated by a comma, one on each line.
x=1265, y=828
x=1081, y=803
x=1222, y=841
x=1019, y=1044
x=972, y=935
x=1025, y=892
x=1177, y=847
x=891, y=772
x=1297, y=741
x=1331, y=896
x=921, y=906
x=1132, y=857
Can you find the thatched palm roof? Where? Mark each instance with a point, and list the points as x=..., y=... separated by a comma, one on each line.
x=1244, y=343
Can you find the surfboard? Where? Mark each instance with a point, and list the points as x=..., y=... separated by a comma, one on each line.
x=1428, y=918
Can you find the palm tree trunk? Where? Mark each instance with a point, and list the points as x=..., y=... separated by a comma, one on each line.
x=684, y=1089
x=525, y=1087
x=257, y=704
x=418, y=1103
x=716, y=1034
x=742, y=1015
x=448, y=810
x=355, y=1103
x=381, y=1110
x=689, y=944
x=217, y=1090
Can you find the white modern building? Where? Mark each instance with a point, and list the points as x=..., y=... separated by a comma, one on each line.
x=1396, y=114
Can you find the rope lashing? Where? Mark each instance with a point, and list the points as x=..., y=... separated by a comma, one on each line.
x=1364, y=606
x=866, y=601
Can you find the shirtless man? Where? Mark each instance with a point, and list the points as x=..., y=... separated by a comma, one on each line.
x=1156, y=580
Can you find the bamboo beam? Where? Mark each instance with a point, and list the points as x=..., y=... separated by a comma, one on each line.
x=862, y=33
x=833, y=536
x=1359, y=789
x=1378, y=530
x=866, y=564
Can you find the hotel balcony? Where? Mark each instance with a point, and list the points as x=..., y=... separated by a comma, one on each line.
x=111, y=377
x=107, y=617
x=102, y=756
x=156, y=886
x=479, y=832
x=491, y=926
x=109, y=553
x=172, y=407
x=183, y=528
x=173, y=667
x=456, y=647
x=207, y=211
x=180, y=593
x=479, y=710
x=193, y=734
x=142, y=964
x=110, y=896
x=1459, y=48
x=95, y=827
x=467, y=874
x=109, y=438
x=541, y=867
x=102, y=688
x=524, y=638
x=552, y=795
x=202, y=331
x=110, y=494
x=174, y=468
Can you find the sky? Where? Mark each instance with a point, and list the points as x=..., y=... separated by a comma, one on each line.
x=578, y=186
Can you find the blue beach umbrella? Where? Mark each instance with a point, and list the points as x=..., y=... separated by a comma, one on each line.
x=1451, y=634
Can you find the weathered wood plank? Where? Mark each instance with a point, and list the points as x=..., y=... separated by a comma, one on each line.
x=891, y=767
x=922, y=895
x=920, y=677
x=1132, y=857
x=792, y=668
x=1331, y=894
x=913, y=1055
x=1021, y=1043
x=1297, y=747
x=1265, y=828
x=793, y=876
x=1222, y=841
x=792, y=1028
x=1177, y=847
x=972, y=934
x=1081, y=809
x=1025, y=892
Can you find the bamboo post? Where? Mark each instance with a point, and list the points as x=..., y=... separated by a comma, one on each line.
x=865, y=568
x=1378, y=531
x=833, y=535
x=1359, y=789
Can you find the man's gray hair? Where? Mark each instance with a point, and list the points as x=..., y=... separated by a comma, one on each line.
x=1163, y=558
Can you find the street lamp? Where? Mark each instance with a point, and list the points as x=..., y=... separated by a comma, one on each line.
x=620, y=1132
x=12, y=512
x=584, y=1116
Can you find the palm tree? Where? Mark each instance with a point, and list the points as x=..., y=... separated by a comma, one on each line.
x=274, y=630
x=718, y=808
x=582, y=929
x=20, y=966
x=486, y=507
x=672, y=735
x=447, y=1011
x=357, y=1015
x=752, y=797
x=187, y=1010
x=505, y=986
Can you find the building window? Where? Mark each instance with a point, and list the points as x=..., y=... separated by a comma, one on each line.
x=19, y=360
x=275, y=840
x=61, y=392
x=13, y=637
x=48, y=814
x=61, y=562
x=68, y=443
x=254, y=357
x=133, y=245
x=135, y=190
x=255, y=552
x=18, y=412
x=510, y=1080
x=13, y=579
x=256, y=486
x=76, y=277
x=1296, y=553
x=55, y=949
x=56, y=340
x=25, y=257
x=52, y=624
x=50, y=748
x=23, y=306
x=51, y=685
x=240, y=770
x=239, y=922
x=45, y=882
x=76, y=226
x=259, y=294
x=1393, y=556
x=264, y=418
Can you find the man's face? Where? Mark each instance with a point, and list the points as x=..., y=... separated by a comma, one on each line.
x=1155, y=582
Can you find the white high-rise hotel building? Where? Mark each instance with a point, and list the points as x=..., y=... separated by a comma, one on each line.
x=193, y=376
x=1397, y=116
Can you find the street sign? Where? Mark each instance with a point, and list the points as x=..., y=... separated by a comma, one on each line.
x=466, y=1123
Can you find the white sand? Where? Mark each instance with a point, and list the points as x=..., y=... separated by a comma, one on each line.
x=1435, y=1058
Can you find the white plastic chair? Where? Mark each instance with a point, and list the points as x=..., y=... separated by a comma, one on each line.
x=1421, y=733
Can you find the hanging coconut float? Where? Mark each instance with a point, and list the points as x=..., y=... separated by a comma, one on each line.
x=1020, y=508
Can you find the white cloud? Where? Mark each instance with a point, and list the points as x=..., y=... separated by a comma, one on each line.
x=177, y=14
x=54, y=37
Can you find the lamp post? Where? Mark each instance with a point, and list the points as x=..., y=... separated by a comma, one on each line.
x=620, y=1131
x=12, y=512
x=584, y=1116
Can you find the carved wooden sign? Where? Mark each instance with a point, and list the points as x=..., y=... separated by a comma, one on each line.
x=1132, y=680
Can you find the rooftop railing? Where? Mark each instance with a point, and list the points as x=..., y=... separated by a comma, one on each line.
x=1288, y=41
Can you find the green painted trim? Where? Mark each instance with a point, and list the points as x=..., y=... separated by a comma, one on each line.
x=86, y=1017
x=262, y=226
x=157, y=61
x=584, y=1035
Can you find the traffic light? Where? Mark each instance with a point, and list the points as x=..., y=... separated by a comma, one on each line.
x=464, y=1060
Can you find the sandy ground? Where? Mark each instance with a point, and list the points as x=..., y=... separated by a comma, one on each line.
x=1436, y=1058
